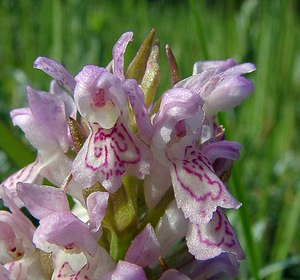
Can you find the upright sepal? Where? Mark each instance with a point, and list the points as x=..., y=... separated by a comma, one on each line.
x=118, y=54
x=55, y=70
x=141, y=114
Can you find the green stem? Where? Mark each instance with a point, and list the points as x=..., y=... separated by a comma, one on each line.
x=120, y=221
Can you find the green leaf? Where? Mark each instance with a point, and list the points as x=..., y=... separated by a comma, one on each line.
x=15, y=149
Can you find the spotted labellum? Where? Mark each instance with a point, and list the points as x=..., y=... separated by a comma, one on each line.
x=128, y=182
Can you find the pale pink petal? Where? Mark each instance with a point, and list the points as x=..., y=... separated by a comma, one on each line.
x=23, y=224
x=42, y=201
x=126, y=270
x=221, y=149
x=38, y=136
x=26, y=268
x=45, y=122
x=198, y=191
x=173, y=274
x=96, y=205
x=81, y=265
x=5, y=274
x=68, y=100
x=107, y=155
x=56, y=166
x=118, y=54
x=66, y=230
x=28, y=174
x=215, y=268
x=144, y=249
x=221, y=65
x=55, y=70
x=221, y=155
x=177, y=105
x=206, y=241
x=141, y=114
x=240, y=69
x=157, y=183
x=171, y=228
x=99, y=96
x=228, y=94
x=220, y=84
x=49, y=111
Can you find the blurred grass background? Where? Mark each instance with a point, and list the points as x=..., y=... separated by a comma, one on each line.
x=266, y=178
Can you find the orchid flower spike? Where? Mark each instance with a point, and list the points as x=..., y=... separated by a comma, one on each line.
x=124, y=187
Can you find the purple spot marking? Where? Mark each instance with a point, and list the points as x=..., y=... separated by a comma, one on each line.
x=223, y=227
x=21, y=175
x=69, y=246
x=199, y=173
x=109, y=148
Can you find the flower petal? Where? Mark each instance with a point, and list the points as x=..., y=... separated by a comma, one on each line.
x=171, y=228
x=23, y=224
x=42, y=201
x=5, y=274
x=174, y=275
x=177, y=105
x=49, y=111
x=215, y=268
x=68, y=100
x=126, y=270
x=28, y=174
x=228, y=94
x=55, y=70
x=74, y=265
x=25, y=268
x=118, y=54
x=198, y=191
x=157, y=183
x=220, y=84
x=221, y=149
x=136, y=98
x=144, y=249
x=45, y=122
x=221, y=65
x=107, y=155
x=206, y=241
x=65, y=230
x=96, y=205
x=99, y=96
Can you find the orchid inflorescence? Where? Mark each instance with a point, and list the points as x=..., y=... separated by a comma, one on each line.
x=125, y=185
